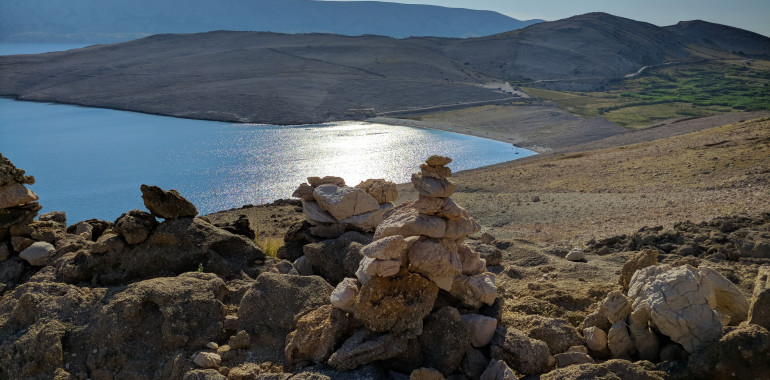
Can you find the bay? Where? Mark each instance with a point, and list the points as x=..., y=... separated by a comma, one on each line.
x=90, y=162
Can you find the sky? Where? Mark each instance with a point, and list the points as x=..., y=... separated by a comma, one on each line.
x=753, y=15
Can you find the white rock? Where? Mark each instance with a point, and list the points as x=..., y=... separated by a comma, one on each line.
x=436, y=259
x=376, y=267
x=596, y=338
x=15, y=194
x=724, y=296
x=315, y=214
x=498, y=370
x=481, y=328
x=406, y=221
x=207, y=360
x=575, y=255
x=619, y=341
x=344, y=202
x=645, y=341
x=368, y=221
x=344, y=295
x=388, y=248
x=84, y=230
x=212, y=345
x=37, y=253
x=617, y=306
x=474, y=291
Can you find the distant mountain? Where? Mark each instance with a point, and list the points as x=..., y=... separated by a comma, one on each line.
x=308, y=78
x=103, y=21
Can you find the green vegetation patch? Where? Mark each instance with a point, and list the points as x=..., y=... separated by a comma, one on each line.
x=678, y=90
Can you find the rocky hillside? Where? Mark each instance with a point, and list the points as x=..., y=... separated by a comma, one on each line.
x=287, y=79
x=113, y=21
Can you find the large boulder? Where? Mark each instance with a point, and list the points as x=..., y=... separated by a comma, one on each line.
x=317, y=335
x=444, y=341
x=167, y=204
x=396, y=304
x=344, y=202
x=742, y=353
x=524, y=354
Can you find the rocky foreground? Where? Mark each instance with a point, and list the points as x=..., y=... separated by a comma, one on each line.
x=366, y=288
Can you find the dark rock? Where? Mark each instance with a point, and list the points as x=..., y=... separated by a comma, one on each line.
x=19, y=215
x=474, y=363
x=317, y=335
x=612, y=369
x=167, y=204
x=335, y=259
x=396, y=304
x=9, y=173
x=203, y=374
x=290, y=251
x=742, y=353
x=558, y=334
x=241, y=226
x=54, y=216
x=522, y=353
x=490, y=254
x=759, y=313
x=365, y=347
x=274, y=300
x=135, y=226
x=444, y=341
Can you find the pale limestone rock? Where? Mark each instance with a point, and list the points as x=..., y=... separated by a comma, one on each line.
x=498, y=370
x=383, y=191
x=759, y=313
x=15, y=194
x=387, y=248
x=617, y=306
x=315, y=214
x=576, y=254
x=37, y=254
x=474, y=291
x=480, y=327
x=207, y=360
x=368, y=221
x=369, y=267
x=678, y=304
x=619, y=341
x=318, y=181
x=725, y=297
x=212, y=346
x=406, y=221
x=304, y=192
x=461, y=228
x=317, y=334
x=596, y=338
x=643, y=259
x=645, y=341
x=472, y=263
x=436, y=259
x=344, y=202
x=432, y=187
x=84, y=230
x=344, y=295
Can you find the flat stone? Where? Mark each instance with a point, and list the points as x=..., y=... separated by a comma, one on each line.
x=432, y=187
x=315, y=214
x=318, y=181
x=207, y=360
x=368, y=221
x=369, y=267
x=366, y=347
x=167, y=204
x=406, y=221
x=37, y=254
x=436, y=160
x=435, y=171
x=387, y=248
x=569, y=358
x=344, y=202
x=16, y=194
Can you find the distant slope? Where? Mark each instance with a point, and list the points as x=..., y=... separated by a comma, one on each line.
x=722, y=37
x=100, y=21
x=285, y=79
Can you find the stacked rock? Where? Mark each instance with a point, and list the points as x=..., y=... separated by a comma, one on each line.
x=418, y=251
x=18, y=206
x=332, y=207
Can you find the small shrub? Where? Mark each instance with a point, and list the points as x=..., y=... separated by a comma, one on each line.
x=269, y=245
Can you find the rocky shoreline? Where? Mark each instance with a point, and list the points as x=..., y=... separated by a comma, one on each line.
x=363, y=288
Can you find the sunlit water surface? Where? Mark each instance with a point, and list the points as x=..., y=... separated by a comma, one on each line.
x=90, y=162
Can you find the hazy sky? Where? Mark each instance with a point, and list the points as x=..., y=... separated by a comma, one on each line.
x=753, y=15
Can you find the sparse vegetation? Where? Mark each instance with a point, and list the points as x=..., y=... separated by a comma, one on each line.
x=693, y=89
x=269, y=244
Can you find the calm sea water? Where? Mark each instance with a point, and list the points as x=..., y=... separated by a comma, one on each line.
x=7, y=48
x=90, y=162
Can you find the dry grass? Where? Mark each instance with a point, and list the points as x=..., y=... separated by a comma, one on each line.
x=269, y=244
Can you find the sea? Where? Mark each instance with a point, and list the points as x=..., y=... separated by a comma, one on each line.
x=90, y=162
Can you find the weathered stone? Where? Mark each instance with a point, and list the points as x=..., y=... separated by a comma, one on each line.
x=557, y=333
x=84, y=230
x=37, y=254
x=344, y=295
x=303, y=266
x=611, y=369
x=406, y=221
x=315, y=214
x=196, y=374
x=435, y=171
x=474, y=363
x=759, y=313
x=396, y=304
x=569, y=358
x=619, y=341
x=444, y=341
x=19, y=215
x=461, y=228
x=472, y=263
x=387, y=248
x=426, y=374
x=54, y=216
x=207, y=360
x=317, y=334
x=19, y=243
x=344, y=202
x=304, y=192
x=491, y=255
x=241, y=339
x=432, y=187
x=437, y=259
x=480, y=327
x=742, y=353
x=596, y=338
x=381, y=190
x=274, y=300
x=285, y=267
x=9, y=173
x=498, y=370
x=240, y=226
x=641, y=260
x=15, y=194
x=474, y=291
x=368, y=221
x=678, y=304
x=576, y=254
x=724, y=296
x=135, y=226
x=318, y=181
x=522, y=353
x=617, y=306
x=328, y=231
x=335, y=259
x=436, y=160
x=370, y=267
x=645, y=341
x=365, y=347
x=167, y=204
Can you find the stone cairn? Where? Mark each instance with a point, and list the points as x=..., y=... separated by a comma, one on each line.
x=417, y=294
